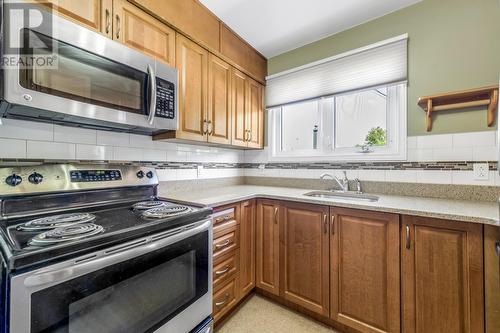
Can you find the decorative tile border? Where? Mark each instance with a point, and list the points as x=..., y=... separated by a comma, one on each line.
x=443, y=165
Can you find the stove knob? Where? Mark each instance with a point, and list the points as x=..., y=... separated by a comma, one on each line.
x=140, y=174
x=35, y=178
x=13, y=180
x=149, y=174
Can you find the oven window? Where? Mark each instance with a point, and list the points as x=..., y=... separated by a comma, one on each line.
x=138, y=295
x=86, y=77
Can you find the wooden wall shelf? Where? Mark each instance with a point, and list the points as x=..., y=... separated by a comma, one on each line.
x=486, y=96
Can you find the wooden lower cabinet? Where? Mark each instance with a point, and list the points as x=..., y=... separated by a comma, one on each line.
x=267, y=246
x=304, y=264
x=442, y=276
x=365, y=270
x=247, y=247
x=492, y=279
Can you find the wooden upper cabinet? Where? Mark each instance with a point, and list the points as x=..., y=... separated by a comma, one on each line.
x=365, y=270
x=239, y=108
x=192, y=63
x=304, y=271
x=255, y=115
x=137, y=29
x=239, y=51
x=247, y=247
x=267, y=247
x=93, y=14
x=188, y=16
x=442, y=276
x=219, y=101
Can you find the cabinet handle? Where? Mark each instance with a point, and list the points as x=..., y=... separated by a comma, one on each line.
x=222, y=271
x=497, y=248
x=209, y=127
x=408, y=240
x=118, y=29
x=333, y=224
x=325, y=224
x=221, y=303
x=108, y=21
x=221, y=245
x=249, y=135
x=205, y=127
x=276, y=215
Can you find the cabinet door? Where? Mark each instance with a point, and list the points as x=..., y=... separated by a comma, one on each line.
x=267, y=235
x=304, y=262
x=192, y=62
x=247, y=247
x=255, y=114
x=135, y=28
x=365, y=270
x=239, y=108
x=93, y=14
x=219, y=101
x=492, y=279
x=442, y=276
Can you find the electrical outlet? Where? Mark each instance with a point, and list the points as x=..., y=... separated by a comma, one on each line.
x=199, y=171
x=262, y=167
x=481, y=171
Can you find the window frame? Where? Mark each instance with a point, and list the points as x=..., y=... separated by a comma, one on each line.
x=397, y=136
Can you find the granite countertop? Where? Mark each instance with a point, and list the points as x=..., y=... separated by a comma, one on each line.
x=469, y=211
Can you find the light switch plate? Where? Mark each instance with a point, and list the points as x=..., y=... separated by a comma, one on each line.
x=481, y=171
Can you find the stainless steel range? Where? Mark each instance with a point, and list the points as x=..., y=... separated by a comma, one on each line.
x=90, y=248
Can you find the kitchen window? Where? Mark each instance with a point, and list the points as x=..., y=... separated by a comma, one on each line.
x=352, y=107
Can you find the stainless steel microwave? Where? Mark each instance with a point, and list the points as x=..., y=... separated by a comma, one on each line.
x=92, y=81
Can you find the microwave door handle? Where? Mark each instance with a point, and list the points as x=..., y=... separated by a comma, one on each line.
x=152, y=104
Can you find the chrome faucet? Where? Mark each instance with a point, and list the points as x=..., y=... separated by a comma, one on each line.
x=342, y=183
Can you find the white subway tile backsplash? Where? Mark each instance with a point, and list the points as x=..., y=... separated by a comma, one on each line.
x=434, y=141
x=166, y=174
x=12, y=148
x=487, y=153
x=50, y=150
x=452, y=154
x=411, y=142
x=184, y=174
x=113, y=138
x=26, y=130
x=474, y=139
x=434, y=176
x=154, y=155
x=420, y=155
x=467, y=178
x=75, y=135
x=401, y=176
x=95, y=153
x=127, y=154
x=372, y=175
x=176, y=156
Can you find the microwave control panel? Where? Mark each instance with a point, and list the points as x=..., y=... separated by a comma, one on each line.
x=165, y=99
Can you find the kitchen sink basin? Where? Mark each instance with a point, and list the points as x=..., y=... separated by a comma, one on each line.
x=354, y=196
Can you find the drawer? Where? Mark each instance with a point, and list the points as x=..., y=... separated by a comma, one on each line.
x=226, y=242
x=224, y=299
x=223, y=219
x=225, y=267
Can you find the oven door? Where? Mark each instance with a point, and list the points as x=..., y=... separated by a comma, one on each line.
x=93, y=81
x=157, y=284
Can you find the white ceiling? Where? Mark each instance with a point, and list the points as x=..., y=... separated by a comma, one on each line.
x=277, y=26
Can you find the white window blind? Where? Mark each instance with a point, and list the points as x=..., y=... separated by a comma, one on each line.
x=377, y=64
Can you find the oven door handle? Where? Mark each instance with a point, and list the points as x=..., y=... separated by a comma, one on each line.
x=152, y=90
x=90, y=263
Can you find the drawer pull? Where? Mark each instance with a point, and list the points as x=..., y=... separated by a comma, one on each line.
x=276, y=215
x=333, y=224
x=223, y=218
x=408, y=239
x=325, y=224
x=222, y=271
x=221, y=303
x=221, y=245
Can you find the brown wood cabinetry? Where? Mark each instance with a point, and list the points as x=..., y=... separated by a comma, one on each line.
x=93, y=14
x=442, y=276
x=219, y=101
x=365, y=270
x=247, y=247
x=247, y=111
x=492, y=279
x=135, y=28
x=188, y=16
x=267, y=246
x=304, y=263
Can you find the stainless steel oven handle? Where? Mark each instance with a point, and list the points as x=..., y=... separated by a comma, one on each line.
x=152, y=104
x=103, y=259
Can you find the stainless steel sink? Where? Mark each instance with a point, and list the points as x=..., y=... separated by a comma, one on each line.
x=355, y=196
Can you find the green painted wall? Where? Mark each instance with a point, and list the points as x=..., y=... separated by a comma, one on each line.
x=453, y=45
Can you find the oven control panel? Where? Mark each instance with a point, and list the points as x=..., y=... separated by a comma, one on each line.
x=165, y=99
x=94, y=175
